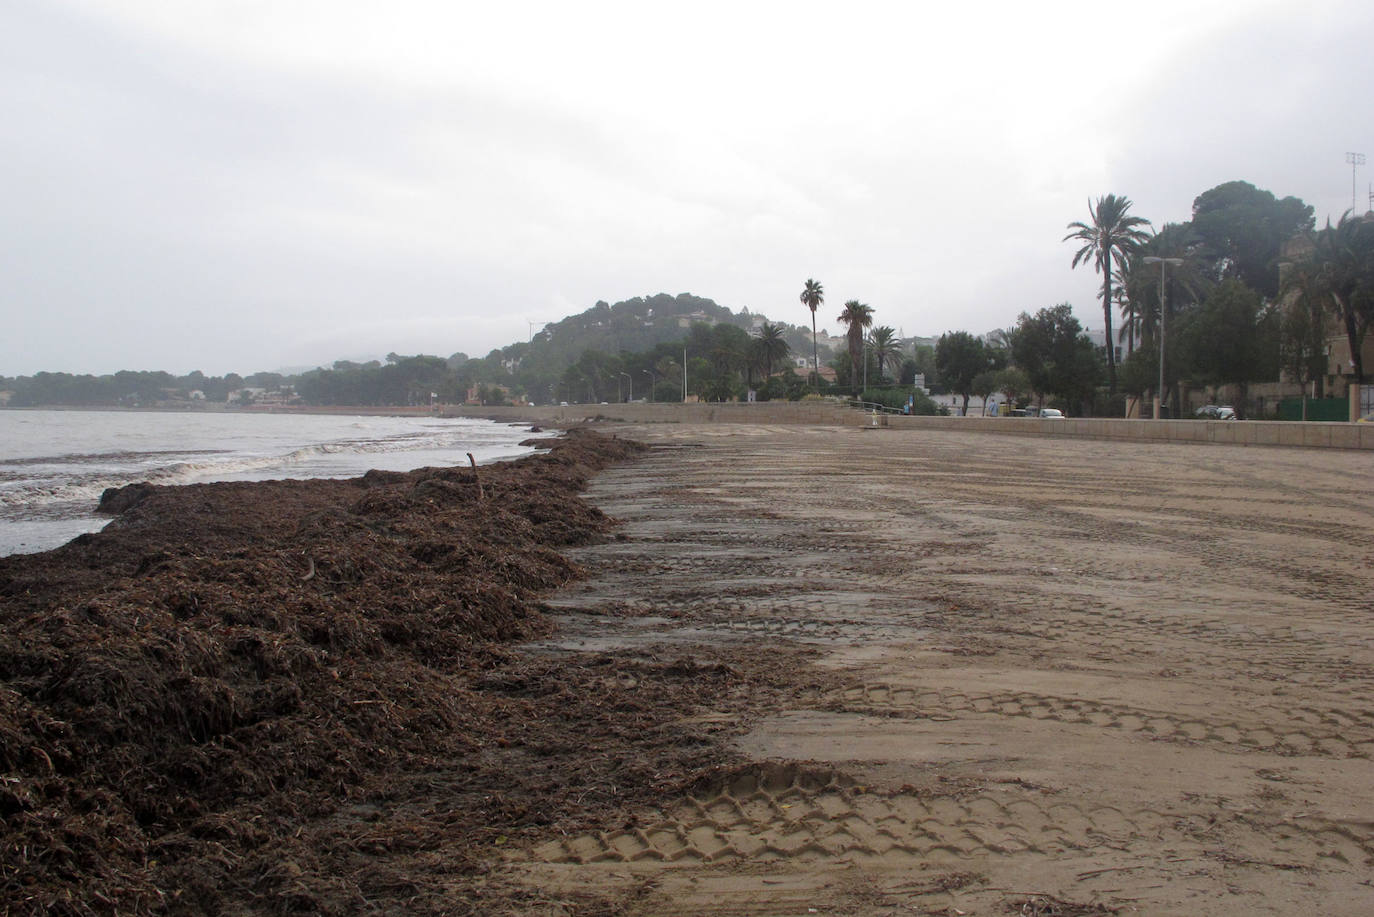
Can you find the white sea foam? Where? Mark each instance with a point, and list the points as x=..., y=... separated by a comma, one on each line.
x=54, y=465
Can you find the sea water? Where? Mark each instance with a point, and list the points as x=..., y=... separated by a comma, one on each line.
x=54, y=465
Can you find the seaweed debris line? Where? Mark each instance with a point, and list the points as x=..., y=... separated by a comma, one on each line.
x=225, y=701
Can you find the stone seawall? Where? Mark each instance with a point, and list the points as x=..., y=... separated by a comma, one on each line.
x=1236, y=432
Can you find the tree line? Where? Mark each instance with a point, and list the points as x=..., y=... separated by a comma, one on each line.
x=128, y=388
x=1245, y=289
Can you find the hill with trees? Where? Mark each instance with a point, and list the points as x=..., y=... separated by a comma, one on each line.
x=599, y=354
x=1244, y=291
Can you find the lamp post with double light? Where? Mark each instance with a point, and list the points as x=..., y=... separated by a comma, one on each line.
x=1163, y=286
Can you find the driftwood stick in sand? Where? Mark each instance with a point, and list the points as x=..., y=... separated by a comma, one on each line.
x=481, y=495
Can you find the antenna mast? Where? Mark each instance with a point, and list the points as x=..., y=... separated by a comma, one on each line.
x=532, y=324
x=1356, y=160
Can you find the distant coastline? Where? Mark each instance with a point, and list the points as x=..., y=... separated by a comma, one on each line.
x=220, y=408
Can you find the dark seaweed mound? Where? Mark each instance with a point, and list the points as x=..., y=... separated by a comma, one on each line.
x=218, y=703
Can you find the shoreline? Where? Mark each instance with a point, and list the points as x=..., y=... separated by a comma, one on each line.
x=351, y=410
x=874, y=649
x=56, y=463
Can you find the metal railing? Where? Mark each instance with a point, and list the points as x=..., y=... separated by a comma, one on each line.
x=871, y=407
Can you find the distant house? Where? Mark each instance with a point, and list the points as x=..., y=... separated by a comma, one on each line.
x=691, y=318
x=804, y=364
x=824, y=339
x=261, y=396
x=500, y=392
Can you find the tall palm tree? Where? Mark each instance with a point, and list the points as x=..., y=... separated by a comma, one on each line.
x=886, y=349
x=857, y=316
x=1343, y=256
x=1303, y=320
x=1130, y=314
x=771, y=346
x=813, y=295
x=1112, y=233
x=1188, y=283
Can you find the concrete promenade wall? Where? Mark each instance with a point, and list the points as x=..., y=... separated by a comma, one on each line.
x=1236, y=432
x=770, y=412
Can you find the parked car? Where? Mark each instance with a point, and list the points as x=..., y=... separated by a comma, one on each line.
x=1215, y=412
x=1051, y=414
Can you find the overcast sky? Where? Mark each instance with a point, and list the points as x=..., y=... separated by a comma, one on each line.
x=257, y=184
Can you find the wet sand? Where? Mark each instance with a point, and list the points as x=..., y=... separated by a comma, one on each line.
x=1038, y=676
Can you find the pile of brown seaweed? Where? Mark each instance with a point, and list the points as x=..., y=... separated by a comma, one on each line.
x=228, y=700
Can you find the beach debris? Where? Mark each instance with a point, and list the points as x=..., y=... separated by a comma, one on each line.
x=481, y=494
x=188, y=724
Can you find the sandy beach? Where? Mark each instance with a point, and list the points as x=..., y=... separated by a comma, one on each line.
x=749, y=670
x=1040, y=676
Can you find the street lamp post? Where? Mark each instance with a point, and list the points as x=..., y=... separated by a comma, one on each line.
x=865, y=369
x=1163, y=285
x=650, y=374
x=631, y=380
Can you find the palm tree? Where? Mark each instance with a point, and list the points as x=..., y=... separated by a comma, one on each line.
x=813, y=295
x=858, y=317
x=1188, y=282
x=1343, y=256
x=883, y=340
x=1303, y=322
x=1188, y=285
x=1130, y=315
x=772, y=348
x=1112, y=232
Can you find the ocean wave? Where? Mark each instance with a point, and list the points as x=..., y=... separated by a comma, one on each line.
x=33, y=492
x=87, y=458
x=35, y=495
